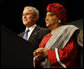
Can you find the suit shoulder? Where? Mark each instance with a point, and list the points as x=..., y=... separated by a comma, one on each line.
x=21, y=34
x=43, y=29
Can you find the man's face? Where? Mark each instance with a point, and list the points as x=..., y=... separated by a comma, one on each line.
x=51, y=19
x=28, y=17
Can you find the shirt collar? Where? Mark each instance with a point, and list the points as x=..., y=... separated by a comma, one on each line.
x=32, y=27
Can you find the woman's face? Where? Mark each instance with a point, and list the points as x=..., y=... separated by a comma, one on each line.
x=51, y=19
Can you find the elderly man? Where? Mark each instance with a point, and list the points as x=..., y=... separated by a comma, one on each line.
x=33, y=33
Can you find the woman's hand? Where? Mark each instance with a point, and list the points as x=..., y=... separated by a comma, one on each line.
x=40, y=53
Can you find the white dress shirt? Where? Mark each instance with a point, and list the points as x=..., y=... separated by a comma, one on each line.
x=31, y=30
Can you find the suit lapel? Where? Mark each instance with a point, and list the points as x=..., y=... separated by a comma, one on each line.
x=34, y=33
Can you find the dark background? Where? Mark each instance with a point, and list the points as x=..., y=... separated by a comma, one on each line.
x=11, y=11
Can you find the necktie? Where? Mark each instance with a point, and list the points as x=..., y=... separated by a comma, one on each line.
x=26, y=34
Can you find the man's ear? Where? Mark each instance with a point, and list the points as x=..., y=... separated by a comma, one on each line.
x=35, y=17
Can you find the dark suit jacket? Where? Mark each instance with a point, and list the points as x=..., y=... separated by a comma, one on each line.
x=36, y=36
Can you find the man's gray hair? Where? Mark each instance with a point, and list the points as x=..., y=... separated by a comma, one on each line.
x=34, y=10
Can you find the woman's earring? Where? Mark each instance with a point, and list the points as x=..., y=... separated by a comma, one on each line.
x=59, y=21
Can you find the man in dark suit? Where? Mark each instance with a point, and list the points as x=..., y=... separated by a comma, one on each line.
x=33, y=33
